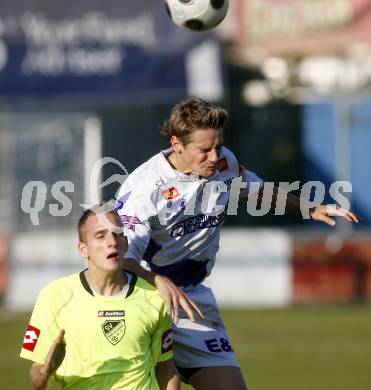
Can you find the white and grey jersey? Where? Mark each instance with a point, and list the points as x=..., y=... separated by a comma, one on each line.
x=172, y=220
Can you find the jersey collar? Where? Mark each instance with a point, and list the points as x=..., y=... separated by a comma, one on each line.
x=171, y=174
x=87, y=288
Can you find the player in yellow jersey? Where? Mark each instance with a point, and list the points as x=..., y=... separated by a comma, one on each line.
x=103, y=328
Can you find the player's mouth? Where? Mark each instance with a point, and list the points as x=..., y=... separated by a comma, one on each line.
x=211, y=168
x=113, y=256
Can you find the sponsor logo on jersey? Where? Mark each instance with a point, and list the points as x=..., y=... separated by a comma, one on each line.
x=129, y=226
x=130, y=219
x=171, y=193
x=176, y=206
x=167, y=341
x=114, y=330
x=129, y=222
x=31, y=337
x=198, y=222
x=111, y=313
x=222, y=165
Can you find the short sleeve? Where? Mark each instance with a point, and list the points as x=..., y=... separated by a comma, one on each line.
x=253, y=181
x=42, y=329
x=135, y=210
x=162, y=340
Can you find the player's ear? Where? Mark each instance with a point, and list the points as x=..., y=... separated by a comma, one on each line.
x=83, y=250
x=176, y=143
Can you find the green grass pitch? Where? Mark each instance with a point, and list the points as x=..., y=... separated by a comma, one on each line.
x=299, y=348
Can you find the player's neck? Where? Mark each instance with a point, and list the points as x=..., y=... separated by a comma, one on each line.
x=103, y=283
x=176, y=163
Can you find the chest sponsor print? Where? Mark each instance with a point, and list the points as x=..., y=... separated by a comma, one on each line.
x=198, y=222
x=111, y=313
x=114, y=330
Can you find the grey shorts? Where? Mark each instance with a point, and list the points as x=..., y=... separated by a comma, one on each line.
x=204, y=343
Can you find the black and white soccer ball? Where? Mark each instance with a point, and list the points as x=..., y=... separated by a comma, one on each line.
x=197, y=15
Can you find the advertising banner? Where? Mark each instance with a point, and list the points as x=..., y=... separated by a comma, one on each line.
x=301, y=27
x=126, y=49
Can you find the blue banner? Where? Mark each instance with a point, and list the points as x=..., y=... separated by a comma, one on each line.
x=120, y=49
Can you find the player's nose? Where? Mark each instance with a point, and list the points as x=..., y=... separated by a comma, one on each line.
x=112, y=239
x=213, y=156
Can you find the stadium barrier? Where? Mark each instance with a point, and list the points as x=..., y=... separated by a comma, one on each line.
x=332, y=270
x=254, y=268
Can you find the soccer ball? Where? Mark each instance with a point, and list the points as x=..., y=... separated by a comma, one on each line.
x=197, y=15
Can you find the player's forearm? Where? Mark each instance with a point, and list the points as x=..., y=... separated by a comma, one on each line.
x=173, y=296
x=167, y=376
x=133, y=266
x=290, y=202
x=294, y=204
x=38, y=377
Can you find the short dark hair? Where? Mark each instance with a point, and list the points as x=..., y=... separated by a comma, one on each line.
x=192, y=114
x=100, y=208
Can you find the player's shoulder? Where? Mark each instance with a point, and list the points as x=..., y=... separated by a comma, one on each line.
x=228, y=161
x=149, y=292
x=142, y=284
x=143, y=184
x=60, y=290
x=147, y=174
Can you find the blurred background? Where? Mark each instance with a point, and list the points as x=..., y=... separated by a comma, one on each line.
x=84, y=80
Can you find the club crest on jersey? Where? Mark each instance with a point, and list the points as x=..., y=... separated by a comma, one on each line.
x=114, y=330
x=31, y=337
x=222, y=165
x=171, y=193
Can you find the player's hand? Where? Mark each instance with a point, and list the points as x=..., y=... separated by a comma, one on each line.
x=55, y=355
x=325, y=212
x=175, y=298
x=40, y=373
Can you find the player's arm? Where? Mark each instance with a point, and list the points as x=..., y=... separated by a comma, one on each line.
x=173, y=296
x=162, y=351
x=167, y=375
x=319, y=212
x=293, y=203
x=40, y=373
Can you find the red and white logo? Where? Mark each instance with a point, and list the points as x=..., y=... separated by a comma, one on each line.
x=167, y=341
x=31, y=337
x=171, y=193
